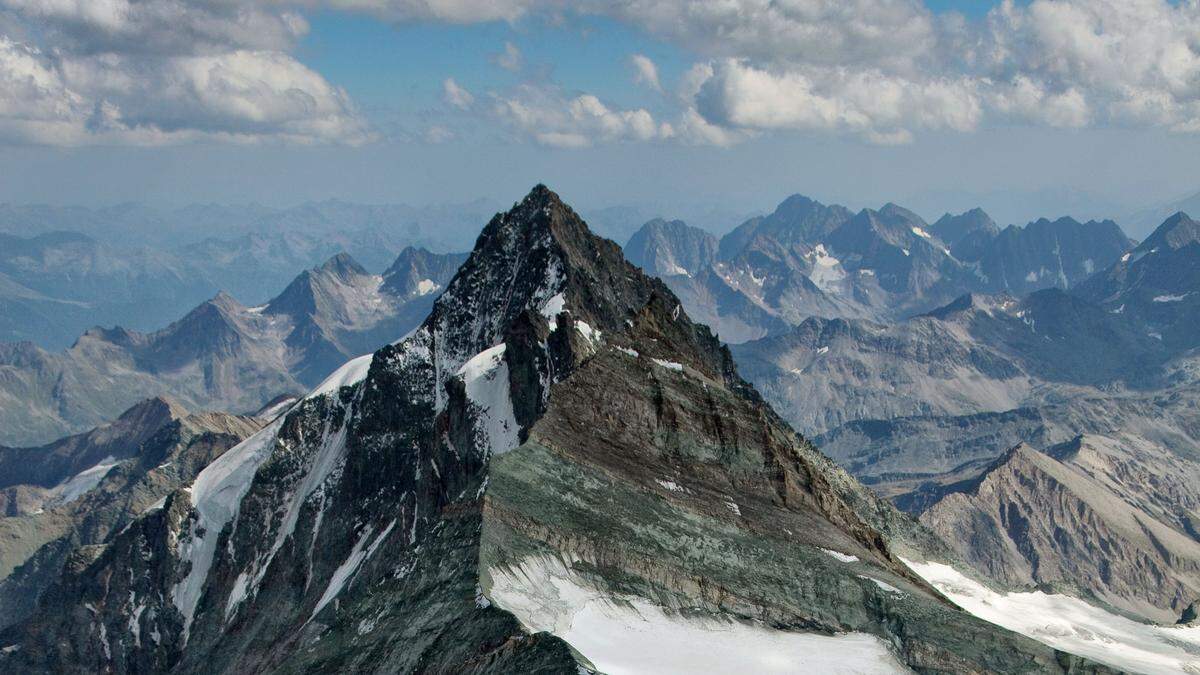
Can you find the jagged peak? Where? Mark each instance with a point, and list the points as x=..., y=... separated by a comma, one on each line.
x=343, y=266
x=1175, y=232
x=156, y=407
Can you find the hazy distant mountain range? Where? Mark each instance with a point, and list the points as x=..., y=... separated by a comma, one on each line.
x=807, y=259
x=221, y=355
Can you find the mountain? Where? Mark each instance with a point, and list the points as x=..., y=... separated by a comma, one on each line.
x=1045, y=254
x=558, y=471
x=1157, y=285
x=977, y=354
x=967, y=233
x=1147, y=219
x=668, y=248
x=1037, y=519
x=222, y=355
x=797, y=220
x=809, y=260
x=81, y=490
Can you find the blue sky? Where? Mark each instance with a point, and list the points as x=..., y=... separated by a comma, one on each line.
x=1045, y=107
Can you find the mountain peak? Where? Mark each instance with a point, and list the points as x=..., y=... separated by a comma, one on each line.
x=1176, y=232
x=160, y=408
x=343, y=266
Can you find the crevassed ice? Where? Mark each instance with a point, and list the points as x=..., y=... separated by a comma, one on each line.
x=1072, y=625
x=622, y=635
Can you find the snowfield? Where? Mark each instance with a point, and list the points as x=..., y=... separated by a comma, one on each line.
x=74, y=487
x=1072, y=625
x=632, y=635
x=350, y=374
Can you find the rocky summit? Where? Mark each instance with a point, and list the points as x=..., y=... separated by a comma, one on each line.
x=557, y=471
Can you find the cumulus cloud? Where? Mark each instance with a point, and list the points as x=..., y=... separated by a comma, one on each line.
x=645, y=72
x=885, y=70
x=549, y=118
x=161, y=71
x=455, y=95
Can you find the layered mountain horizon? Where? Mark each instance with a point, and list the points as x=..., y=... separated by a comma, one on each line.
x=478, y=411
x=539, y=455
x=222, y=355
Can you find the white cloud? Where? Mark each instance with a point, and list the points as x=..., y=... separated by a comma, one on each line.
x=510, y=58
x=552, y=119
x=455, y=95
x=240, y=96
x=161, y=71
x=883, y=70
x=880, y=107
x=645, y=72
x=887, y=70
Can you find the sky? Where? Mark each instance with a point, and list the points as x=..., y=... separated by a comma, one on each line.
x=709, y=109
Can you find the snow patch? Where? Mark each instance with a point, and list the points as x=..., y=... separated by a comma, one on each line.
x=846, y=558
x=1072, y=625
x=590, y=334
x=1171, y=298
x=76, y=486
x=921, y=233
x=486, y=378
x=630, y=352
x=882, y=584
x=553, y=307
x=827, y=273
x=823, y=350
x=670, y=485
x=669, y=365
x=623, y=635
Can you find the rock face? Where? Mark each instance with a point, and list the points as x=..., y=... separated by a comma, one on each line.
x=1048, y=254
x=80, y=491
x=221, y=355
x=1033, y=519
x=670, y=248
x=558, y=417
